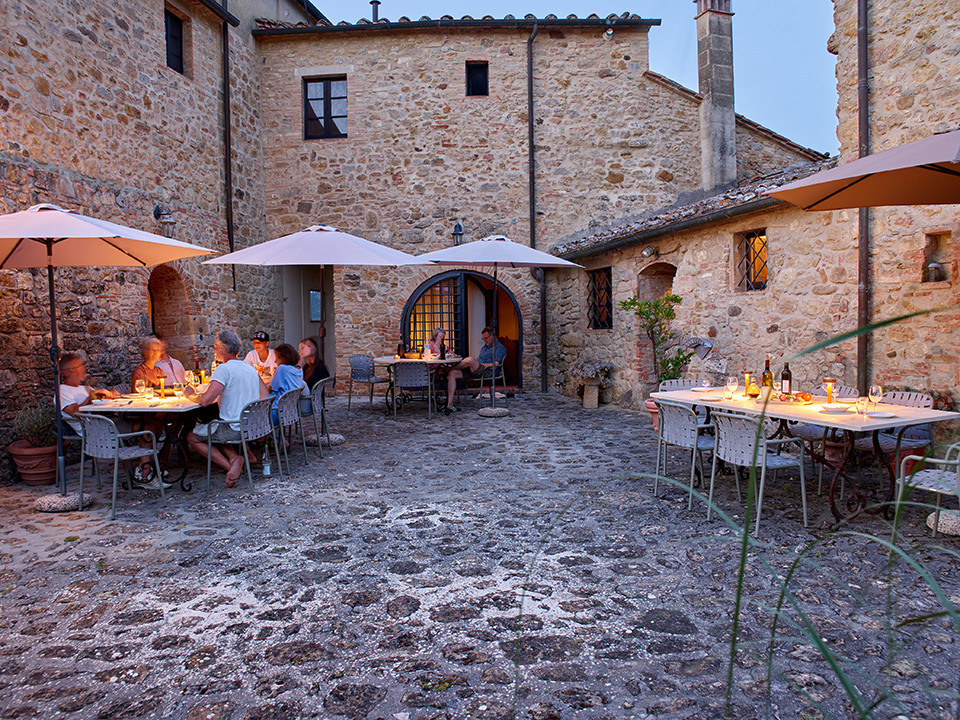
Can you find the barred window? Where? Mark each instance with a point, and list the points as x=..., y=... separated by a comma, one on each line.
x=600, y=312
x=324, y=108
x=751, y=270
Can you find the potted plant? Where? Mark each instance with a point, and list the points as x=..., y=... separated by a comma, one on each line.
x=594, y=376
x=655, y=317
x=35, y=453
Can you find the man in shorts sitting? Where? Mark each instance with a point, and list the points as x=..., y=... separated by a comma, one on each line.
x=470, y=367
x=234, y=384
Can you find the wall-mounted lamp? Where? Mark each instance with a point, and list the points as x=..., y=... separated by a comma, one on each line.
x=608, y=34
x=649, y=251
x=701, y=346
x=162, y=213
x=457, y=234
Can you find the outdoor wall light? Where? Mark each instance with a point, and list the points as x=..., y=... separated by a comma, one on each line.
x=608, y=35
x=457, y=234
x=162, y=213
x=701, y=346
x=649, y=251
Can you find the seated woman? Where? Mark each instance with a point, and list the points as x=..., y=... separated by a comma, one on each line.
x=436, y=343
x=151, y=374
x=313, y=368
x=286, y=377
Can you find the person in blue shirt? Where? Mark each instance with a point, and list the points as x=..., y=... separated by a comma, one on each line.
x=469, y=367
x=286, y=377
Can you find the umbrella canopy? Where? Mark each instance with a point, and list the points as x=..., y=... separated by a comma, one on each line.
x=497, y=251
x=924, y=172
x=79, y=241
x=49, y=236
x=318, y=245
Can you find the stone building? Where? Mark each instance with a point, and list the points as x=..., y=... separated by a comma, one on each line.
x=807, y=289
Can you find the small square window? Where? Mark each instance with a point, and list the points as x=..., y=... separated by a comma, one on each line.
x=325, y=108
x=478, y=78
x=751, y=271
x=600, y=310
x=173, y=26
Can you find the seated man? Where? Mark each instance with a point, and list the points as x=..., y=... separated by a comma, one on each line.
x=469, y=367
x=73, y=392
x=234, y=384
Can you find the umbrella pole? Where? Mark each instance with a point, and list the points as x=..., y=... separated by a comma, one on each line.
x=496, y=332
x=55, y=359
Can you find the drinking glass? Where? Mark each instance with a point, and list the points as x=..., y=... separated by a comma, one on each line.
x=178, y=390
x=732, y=383
x=705, y=384
x=140, y=386
x=189, y=378
x=862, y=405
x=876, y=395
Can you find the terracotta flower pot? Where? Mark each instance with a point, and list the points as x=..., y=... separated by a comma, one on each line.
x=37, y=466
x=651, y=405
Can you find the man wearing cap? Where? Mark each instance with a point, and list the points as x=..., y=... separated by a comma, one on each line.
x=262, y=356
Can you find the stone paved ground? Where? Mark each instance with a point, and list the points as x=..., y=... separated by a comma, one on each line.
x=384, y=582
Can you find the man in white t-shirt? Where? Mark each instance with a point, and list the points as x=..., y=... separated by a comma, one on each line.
x=171, y=368
x=233, y=385
x=73, y=392
x=262, y=356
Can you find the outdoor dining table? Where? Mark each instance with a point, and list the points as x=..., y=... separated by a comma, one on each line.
x=141, y=406
x=849, y=423
x=391, y=361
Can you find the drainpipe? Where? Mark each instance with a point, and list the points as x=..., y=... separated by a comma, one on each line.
x=227, y=142
x=863, y=258
x=532, y=184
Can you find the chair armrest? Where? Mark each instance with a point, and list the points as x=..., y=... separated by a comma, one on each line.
x=786, y=441
x=127, y=436
x=706, y=426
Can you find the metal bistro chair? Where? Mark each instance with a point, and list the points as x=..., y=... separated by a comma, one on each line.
x=362, y=370
x=102, y=440
x=288, y=416
x=492, y=375
x=309, y=408
x=939, y=475
x=680, y=426
x=912, y=438
x=412, y=376
x=684, y=384
x=736, y=442
x=817, y=434
x=256, y=421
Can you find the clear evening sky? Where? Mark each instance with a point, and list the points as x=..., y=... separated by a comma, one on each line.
x=784, y=76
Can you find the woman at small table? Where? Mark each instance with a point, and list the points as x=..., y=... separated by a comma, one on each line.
x=286, y=377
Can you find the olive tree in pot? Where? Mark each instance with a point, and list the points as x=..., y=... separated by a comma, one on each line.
x=669, y=360
x=35, y=453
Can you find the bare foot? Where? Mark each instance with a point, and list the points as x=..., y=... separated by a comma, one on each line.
x=235, y=471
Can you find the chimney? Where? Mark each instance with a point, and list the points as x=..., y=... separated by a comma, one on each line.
x=718, y=140
x=376, y=9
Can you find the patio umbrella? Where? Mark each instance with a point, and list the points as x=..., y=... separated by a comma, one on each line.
x=924, y=172
x=318, y=245
x=496, y=251
x=49, y=236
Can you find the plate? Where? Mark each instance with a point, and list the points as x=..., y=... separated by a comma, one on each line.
x=132, y=396
x=847, y=401
x=834, y=408
x=881, y=414
x=712, y=398
x=703, y=389
x=98, y=401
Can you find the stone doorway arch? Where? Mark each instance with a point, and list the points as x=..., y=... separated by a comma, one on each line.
x=653, y=281
x=171, y=313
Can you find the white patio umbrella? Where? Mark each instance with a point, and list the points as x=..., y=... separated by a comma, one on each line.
x=496, y=251
x=49, y=236
x=318, y=245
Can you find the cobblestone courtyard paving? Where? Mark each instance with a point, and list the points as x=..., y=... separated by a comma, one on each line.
x=384, y=581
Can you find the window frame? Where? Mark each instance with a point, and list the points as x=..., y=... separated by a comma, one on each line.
x=330, y=131
x=752, y=263
x=469, y=84
x=600, y=299
x=176, y=47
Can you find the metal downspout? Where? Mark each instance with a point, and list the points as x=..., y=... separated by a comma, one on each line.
x=228, y=144
x=863, y=256
x=532, y=185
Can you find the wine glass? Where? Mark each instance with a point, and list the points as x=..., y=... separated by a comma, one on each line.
x=876, y=395
x=189, y=378
x=732, y=383
x=140, y=386
x=705, y=384
x=178, y=390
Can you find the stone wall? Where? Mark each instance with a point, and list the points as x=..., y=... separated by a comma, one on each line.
x=810, y=295
x=92, y=119
x=611, y=140
x=913, y=93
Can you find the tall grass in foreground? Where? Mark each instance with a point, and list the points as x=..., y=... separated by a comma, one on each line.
x=878, y=689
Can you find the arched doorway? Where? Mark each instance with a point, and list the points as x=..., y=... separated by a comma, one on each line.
x=171, y=313
x=654, y=281
x=461, y=302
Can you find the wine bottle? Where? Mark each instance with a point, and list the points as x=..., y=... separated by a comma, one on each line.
x=766, y=379
x=786, y=380
x=443, y=351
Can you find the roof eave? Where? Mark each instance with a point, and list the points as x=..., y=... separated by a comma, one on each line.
x=220, y=11
x=382, y=25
